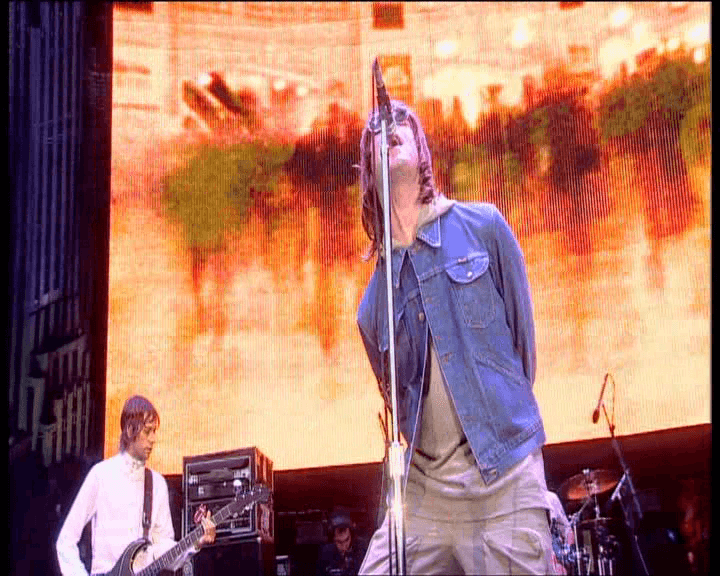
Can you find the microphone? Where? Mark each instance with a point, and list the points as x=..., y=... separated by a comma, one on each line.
x=596, y=412
x=384, y=106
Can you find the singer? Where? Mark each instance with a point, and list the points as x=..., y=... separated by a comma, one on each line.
x=475, y=491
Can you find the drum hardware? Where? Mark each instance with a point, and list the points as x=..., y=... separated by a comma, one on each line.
x=579, y=560
x=625, y=492
x=588, y=483
x=566, y=550
x=601, y=548
x=562, y=547
x=595, y=548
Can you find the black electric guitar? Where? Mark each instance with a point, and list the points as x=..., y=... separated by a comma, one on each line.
x=123, y=567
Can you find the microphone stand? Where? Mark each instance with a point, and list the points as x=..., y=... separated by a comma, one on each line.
x=574, y=520
x=396, y=452
x=629, y=513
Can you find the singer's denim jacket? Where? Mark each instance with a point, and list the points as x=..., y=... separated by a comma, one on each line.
x=463, y=279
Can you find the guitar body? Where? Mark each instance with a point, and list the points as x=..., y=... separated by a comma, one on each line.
x=123, y=567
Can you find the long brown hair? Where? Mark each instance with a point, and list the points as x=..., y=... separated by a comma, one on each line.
x=372, y=220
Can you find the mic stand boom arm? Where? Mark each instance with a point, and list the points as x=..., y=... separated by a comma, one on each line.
x=396, y=460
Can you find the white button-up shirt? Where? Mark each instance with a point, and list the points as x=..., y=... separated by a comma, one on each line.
x=111, y=498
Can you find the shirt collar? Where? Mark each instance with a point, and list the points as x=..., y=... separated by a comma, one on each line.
x=430, y=233
x=429, y=220
x=133, y=467
x=428, y=226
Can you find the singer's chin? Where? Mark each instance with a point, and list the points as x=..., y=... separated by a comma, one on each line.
x=401, y=168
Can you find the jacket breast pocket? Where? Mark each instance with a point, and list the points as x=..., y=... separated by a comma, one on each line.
x=473, y=288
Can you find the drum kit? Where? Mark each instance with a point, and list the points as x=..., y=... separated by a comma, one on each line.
x=587, y=545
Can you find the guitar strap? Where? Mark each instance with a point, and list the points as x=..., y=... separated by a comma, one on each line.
x=147, y=504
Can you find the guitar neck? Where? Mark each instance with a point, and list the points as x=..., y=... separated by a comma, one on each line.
x=167, y=559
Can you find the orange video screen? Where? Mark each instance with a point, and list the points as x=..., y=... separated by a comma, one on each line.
x=236, y=247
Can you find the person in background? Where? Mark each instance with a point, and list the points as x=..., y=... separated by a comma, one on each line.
x=343, y=555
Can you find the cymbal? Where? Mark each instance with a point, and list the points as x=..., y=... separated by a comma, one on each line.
x=588, y=483
x=595, y=522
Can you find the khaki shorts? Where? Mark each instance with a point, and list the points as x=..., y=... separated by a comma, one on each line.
x=515, y=543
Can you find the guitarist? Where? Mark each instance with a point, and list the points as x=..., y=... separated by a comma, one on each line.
x=112, y=498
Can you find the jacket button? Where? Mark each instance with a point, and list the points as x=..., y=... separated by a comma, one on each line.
x=469, y=274
x=421, y=317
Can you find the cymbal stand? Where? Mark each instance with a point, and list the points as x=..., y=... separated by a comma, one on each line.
x=603, y=559
x=593, y=493
x=574, y=519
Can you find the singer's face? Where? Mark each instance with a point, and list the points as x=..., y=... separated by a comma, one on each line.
x=403, y=159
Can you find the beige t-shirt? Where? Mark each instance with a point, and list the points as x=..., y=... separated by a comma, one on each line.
x=444, y=480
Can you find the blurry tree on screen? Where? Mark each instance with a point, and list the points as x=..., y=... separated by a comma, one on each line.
x=578, y=189
x=322, y=176
x=213, y=193
x=696, y=126
x=661, y=117
x=211, y=197
x=446, y=135
x=485, y=173
x=551, y=141
x=485, y=167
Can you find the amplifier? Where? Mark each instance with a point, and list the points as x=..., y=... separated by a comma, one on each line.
x=212, y=480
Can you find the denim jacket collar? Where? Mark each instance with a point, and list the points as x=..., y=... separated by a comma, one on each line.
x=429, y=220
x=429, y=234
x=428, y=231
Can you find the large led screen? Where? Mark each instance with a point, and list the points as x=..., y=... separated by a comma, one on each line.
x=236, y=250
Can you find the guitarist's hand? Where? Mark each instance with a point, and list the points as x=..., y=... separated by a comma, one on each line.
x=203, y=516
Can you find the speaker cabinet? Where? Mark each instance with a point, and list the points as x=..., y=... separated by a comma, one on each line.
x=212, y=480
x=251, y=557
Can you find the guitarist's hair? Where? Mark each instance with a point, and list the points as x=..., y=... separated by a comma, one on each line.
x=137, y=411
